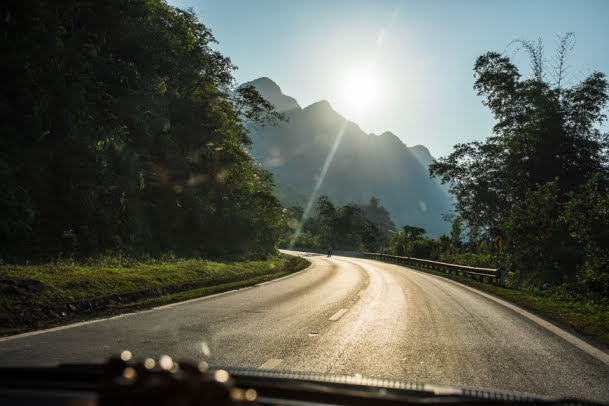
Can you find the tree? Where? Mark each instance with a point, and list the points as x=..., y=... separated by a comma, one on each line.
x=540, y=246
x=411, y=242
x=327, y=215
x=562, y=241
x=379, y=215
x=122, y=130
x=413, y=233
x=586, y=217
x=345, y=228
x=543, y=131
x=546, y=145
x=455, y=233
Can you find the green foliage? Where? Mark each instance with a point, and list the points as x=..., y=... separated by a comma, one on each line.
x=413, y=233
x=586, y=217
x=379, y=215
x=482, y=259
x=412, y=242
x=342, y=228
x=540, y=181
x=456, y=230
x=70, y=280
x=120, y=130
x=538, y=242
x=543, y=131
x=308, y=240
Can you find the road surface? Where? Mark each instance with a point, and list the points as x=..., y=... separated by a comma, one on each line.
x=342, y=315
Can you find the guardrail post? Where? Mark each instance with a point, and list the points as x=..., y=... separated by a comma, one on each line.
x=502, y=277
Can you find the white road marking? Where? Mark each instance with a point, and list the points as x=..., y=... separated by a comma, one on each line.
x=270, y=364
x=338, y=315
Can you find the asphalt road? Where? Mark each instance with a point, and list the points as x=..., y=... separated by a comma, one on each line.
x=347, y=316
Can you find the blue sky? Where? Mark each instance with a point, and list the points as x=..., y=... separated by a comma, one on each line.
x=417, y=55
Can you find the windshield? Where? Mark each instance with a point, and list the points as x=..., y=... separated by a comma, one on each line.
x=416, y=190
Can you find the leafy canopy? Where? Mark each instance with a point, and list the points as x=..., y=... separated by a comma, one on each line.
x=122, y=130
x=544, y=166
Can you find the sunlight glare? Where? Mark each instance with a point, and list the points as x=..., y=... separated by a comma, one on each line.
x=359, y=91
x=320, y=181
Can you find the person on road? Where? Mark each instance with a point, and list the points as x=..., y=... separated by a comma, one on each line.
x=329, y=251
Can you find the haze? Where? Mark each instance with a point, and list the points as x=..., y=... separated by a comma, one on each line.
x=421, y=53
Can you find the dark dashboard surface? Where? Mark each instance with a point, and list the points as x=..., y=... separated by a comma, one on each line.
x=121, y=383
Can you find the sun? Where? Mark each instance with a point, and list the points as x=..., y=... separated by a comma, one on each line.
x=359, y=90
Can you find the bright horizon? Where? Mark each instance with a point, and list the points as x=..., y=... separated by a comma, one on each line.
x=414, y=59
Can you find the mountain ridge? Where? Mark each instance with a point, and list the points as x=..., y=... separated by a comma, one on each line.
x=364, y=164
x=272, y=92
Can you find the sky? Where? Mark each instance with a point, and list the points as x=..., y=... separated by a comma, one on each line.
x=399, y=66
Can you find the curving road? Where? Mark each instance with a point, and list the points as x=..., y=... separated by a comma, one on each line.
x=347, y=316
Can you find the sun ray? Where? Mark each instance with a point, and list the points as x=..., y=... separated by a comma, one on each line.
x=320, y=181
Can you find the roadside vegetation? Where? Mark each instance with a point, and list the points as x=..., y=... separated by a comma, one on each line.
x=33, y=296
x=123, y=130
x=351, y=227
x=534, y=197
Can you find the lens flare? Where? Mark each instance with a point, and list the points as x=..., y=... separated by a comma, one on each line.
x=320, y=181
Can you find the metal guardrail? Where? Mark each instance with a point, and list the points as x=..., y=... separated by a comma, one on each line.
x=488, y=275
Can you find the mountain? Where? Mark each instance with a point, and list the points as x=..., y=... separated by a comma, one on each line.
x=273, y=94
x=422, y=154
x=363, y=165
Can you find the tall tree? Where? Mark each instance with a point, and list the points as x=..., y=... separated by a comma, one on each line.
x=121, y=129
x=547, y=145
x=377, y=213
x=543, y=131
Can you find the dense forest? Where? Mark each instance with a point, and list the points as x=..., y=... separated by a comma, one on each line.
x=533, y=198
x=123, y=130
x=350, y=227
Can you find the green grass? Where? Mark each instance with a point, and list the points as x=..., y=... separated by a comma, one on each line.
x=64, y=281
x=585, y=315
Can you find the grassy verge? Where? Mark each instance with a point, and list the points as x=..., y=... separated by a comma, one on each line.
x=587, y=316
x=34, y=296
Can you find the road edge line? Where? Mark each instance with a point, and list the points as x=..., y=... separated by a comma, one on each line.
x=590, y=349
